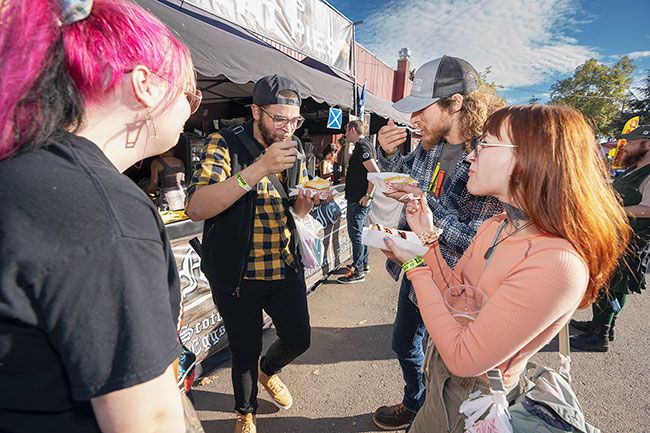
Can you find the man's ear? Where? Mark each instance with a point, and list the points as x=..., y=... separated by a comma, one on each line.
x=457, y=102
x=256, y=111
x=144, y=88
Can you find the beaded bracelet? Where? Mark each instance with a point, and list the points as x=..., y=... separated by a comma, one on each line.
x=242, y=182
x=413, y=263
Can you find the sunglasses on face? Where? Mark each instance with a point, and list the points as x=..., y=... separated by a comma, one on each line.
x=478, y=145
x=281, y=121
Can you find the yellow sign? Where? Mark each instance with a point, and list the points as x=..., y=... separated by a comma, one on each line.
x=629, y=126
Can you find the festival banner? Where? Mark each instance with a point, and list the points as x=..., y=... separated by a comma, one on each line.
x=312, y=27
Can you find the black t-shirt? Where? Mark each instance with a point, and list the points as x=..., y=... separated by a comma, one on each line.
x=356, y=179
x=89, y=290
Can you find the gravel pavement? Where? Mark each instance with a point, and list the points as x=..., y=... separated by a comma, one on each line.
x=350, y=368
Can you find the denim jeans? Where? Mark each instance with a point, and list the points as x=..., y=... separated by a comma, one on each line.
x=408, y=338
x=356, y=217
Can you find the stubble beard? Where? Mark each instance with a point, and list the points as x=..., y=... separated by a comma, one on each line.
x=630, y=159
x=431, y=137
x=268, y=136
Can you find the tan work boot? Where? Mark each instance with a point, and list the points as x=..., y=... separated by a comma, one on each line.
x=278, y=391
x=246, y=423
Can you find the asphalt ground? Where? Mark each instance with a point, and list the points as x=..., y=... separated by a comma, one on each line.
x=350, y=369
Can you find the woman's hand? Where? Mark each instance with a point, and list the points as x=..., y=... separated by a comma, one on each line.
x=395, y=253
x=419, y=215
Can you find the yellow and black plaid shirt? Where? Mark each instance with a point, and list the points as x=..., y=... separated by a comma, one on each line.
x=270, y=252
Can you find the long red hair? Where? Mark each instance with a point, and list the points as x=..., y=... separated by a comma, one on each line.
x=559, y=179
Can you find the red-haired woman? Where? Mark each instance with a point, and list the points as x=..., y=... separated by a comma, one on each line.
x=549, y=254
x=89, y=293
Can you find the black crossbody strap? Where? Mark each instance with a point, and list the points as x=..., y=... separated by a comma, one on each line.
x=255, y=151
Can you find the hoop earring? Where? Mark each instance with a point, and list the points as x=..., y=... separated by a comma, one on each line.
x=151, y=126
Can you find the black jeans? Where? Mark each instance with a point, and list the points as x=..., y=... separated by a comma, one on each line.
x=286, y=302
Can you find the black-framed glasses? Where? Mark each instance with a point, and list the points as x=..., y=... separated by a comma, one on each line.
x=477, y=145
x=281, y=121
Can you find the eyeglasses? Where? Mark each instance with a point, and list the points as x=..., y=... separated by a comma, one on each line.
x=194, y=97
x=281, y=121
x=477, y=145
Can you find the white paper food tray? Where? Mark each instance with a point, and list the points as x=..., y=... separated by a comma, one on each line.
x=375, y=239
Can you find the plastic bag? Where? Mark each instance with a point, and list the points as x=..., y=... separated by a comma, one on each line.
x=310, y=243
x=496, y=421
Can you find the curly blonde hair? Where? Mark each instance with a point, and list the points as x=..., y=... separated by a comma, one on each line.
x=477, y=107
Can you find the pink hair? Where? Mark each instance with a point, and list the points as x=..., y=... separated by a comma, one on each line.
x=97, y=63
x=99, y=50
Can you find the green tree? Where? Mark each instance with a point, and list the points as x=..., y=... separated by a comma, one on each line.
x=638, y=104
x=484, y=81
x=534, y=100
x=598, y=91
x=490, y=87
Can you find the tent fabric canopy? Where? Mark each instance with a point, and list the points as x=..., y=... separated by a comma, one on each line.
x=224, y=54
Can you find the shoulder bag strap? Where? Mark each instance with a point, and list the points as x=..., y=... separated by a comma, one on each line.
x=162, y=161
x=255, y=152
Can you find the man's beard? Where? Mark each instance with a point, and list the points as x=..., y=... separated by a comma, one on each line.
x=268, y=136
x=431, y=137
x=630, y=159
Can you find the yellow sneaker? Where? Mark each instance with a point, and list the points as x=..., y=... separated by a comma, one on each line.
x=246, y=423
x=278, y=391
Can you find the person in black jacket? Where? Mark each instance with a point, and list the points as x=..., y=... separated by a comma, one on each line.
x=249, y=253
x=633, y=187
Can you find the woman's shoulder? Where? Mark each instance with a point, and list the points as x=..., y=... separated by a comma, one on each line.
x=556, y=252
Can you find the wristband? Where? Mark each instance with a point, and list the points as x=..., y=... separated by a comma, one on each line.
x=413, y=263
x=369, y=196
x=242, y=182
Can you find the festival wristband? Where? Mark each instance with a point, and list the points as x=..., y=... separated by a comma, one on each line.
x=413, y=263
x=242, y=182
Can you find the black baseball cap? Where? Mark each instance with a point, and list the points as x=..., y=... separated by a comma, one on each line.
x=267, y=91
x=641, y=132
x=439, y=78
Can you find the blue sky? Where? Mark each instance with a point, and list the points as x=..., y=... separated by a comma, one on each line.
x=529, y=44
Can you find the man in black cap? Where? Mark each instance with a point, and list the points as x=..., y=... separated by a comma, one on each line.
x=634, y=188
x=448, y=111
x=250, y=253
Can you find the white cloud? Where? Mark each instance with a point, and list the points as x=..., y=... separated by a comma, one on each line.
x=524, y=41
x=634, y=55
x=638, y=54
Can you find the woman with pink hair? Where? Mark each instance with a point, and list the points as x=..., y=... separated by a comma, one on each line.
x=89, y=291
